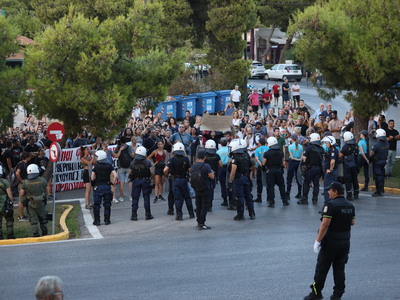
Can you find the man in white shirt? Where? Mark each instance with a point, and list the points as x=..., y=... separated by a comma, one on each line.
x=319, y=111
x=296, y=93
x=235, y=96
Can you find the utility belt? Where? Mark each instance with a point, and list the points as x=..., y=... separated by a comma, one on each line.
x=142, y=178
x=237, y=176
x=35, y=201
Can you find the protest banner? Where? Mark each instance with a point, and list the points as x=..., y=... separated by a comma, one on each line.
x=216, y=123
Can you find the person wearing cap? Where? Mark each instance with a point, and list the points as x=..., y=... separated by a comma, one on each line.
x=379, y=153
x=214, y=161
x=5, y=192
x=102, y=177
x=258, y=155
x=203, y=195
x=34, y=189
x=349, y=153
x=330, y=164
x=295, y=151
x=273, y=162
x=363, y=157
x=141, y=173
x=312, y=163
x=333, y=243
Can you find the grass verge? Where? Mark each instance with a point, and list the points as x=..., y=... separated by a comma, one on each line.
x=23, y=229
x=392, y=182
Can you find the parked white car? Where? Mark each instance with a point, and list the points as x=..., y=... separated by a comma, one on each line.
x=257, y=69
x=284, y=71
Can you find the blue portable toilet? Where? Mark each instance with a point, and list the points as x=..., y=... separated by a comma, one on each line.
x=223, y=98
x=186, y=103
x=205, y=102
x=167, y=107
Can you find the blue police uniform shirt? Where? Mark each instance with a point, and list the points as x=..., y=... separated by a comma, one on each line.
x=332, y=154
x=363, y=143
x=259, y=153
x=296, y=153
x=223, y=153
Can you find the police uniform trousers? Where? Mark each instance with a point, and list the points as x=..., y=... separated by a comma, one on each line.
x=102, y=193
x=275, y=176
x=365, y=165
x=9, y=224
x=351, y=178
x=259, y=181
x=242, y=190
x=138, y=186
x=336, y=253
x=181, y=193
x=37, y=216
x=171, y=200
x=328, y=179
x=379, y=174
x=211, y=195
x=202, y=204
x=313, y=175
x=292, y=172
x=222, y=181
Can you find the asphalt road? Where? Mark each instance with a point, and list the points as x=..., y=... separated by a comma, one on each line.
x=267, y=258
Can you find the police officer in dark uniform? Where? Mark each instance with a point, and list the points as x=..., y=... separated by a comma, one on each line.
x=178, y=166
x=379, y=153
x=330, y=164
x=103, y=175
x=273, y=163
x=349, y=153
x=214, y=160
x=312, y=160
x=141, y=174
x=239, y=179
x=333, y=243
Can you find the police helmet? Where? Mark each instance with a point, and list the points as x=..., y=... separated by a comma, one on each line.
x=33, y=171
x=381, y=134
x=101, y=155
x=348, y=138
x=243, y=143
x=272, y=143
x=178, y=149
x=236, y=146
x=140, y=153
x=211, y=147
x=315, y=139
x=329, y=139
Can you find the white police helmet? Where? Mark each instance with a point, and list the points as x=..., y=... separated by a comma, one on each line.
x=211, y=147
x=178, y=149
x=140, y=153
x=33, y=171
x=315, y=138
x=271, y=142
x=100, y=155
x=348, y=138
x=236, y=146
x=329, y=139
x=381, y=134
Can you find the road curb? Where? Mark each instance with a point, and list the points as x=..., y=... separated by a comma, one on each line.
x=64, y=235
x=387, y=189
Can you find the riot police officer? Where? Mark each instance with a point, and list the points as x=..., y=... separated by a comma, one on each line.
x=330, y=164
x=141, y=174
x=214, y=160
x=103, y=175
x=273, y=163
x=34, y=188
x=379, y=153
x=349, y=153
x=239, y=179
x=312, y=161
x=5, y=191
x=178, y=166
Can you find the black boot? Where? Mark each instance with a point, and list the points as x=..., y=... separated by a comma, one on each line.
x=365, y=188
x=224, y=203
x=298, y=196
x=179, y=217
x=313, y=296
x=271, y=204
x=148, y=215
x=96, y=222
x=288, y=195
x=239, y=218
x=258, y=198
x=191, y=213
x=303, y=201
x=349, y=196
x=252, y=214
x=134, y=216
x=170, y=212
x=315, y=200
x=356, y=195
x=107, y=220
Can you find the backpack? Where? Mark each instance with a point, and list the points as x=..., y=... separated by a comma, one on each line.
x=12, y=178
x=197, y=181
x=125, y=159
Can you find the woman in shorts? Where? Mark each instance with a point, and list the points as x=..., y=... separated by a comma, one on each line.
x=86, y=161
x=159, y=157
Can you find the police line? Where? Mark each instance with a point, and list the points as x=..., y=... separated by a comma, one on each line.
x=69, y=171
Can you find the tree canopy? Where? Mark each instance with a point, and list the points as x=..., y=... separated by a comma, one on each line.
x=356, y=46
